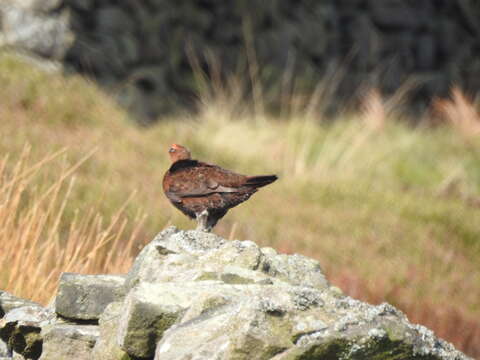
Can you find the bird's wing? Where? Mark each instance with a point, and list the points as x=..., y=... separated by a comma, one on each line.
x=202, y=179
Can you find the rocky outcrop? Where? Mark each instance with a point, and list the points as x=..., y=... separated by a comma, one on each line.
x=194, y=295
x=145, y=49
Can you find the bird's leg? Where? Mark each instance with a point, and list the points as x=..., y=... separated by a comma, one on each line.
x=202, y=221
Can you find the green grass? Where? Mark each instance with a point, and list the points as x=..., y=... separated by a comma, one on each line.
x=391, y=211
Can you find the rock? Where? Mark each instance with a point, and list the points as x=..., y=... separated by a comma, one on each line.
x=368, y=333
x=9, y=302
x=84, y=5
x=394, y=14
x=242, y=254
x=148, y=311
x=102, y=57
x=130, y=49
x=294, y=269
x=145, y=91
x=150, y=260
x=240, y=322
x=238, y=332
x=238, y=275
x=43, y=35
x=368, y=43
x=426, y=52
x=107, y=348
x=170, y=251
x=15, y=356
x=212, y=258
x=20, y=329
x=85, y=297
x=190, y=242
x=69, y=341
x=45, y=6
x=4, y=351
x=113, y=20
x=37, y=5
x=192, y=295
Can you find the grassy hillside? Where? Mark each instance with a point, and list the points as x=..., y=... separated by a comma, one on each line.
x=391, y=212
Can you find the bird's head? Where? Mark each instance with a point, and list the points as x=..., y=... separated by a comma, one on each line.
x=178, y=152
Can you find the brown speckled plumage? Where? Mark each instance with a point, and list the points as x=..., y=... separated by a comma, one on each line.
x=206, y=192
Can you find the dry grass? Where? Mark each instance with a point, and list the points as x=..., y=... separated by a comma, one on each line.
x=388, y=209
x=34, y=250
x=460, y=112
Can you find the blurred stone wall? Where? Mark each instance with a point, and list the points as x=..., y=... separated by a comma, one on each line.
x=143, y=50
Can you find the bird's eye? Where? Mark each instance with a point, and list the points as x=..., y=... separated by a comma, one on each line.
x=171, y=150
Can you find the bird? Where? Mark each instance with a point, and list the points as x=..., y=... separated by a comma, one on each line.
x=205, y=192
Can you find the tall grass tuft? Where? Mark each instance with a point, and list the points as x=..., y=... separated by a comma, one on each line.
x=35, y=243
x=460, y=112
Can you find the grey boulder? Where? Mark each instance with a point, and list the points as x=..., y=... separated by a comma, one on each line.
x=85, y=297
x=9, y=302
x=107, y=348
x=69, y=341
x=177, y=256
x=40, y=34
x=149, y=310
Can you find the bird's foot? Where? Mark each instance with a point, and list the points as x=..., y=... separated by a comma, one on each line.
x=202, y=221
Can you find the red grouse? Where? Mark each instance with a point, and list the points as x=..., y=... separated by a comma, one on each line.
x=206, y=192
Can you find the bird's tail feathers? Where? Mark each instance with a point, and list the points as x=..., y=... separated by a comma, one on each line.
x=259, y=181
